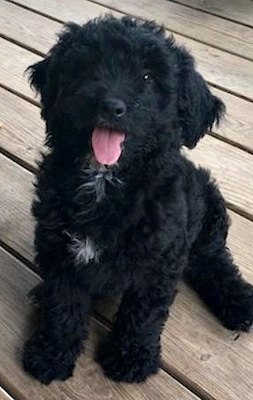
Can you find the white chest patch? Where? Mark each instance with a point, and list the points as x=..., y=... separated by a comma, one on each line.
x=84, y=251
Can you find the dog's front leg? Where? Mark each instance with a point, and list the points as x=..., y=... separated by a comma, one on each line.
x=132, y=352
x=53, y=349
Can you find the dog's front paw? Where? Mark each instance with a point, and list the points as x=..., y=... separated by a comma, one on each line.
x=238, y=312
x=133, y=364
x=47, y=360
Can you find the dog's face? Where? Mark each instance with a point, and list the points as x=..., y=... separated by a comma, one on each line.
x=122, y=91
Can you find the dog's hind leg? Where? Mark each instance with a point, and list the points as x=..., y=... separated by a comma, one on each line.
x=211, y=270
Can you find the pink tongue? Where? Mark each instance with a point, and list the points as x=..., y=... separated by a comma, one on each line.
x=106, y=145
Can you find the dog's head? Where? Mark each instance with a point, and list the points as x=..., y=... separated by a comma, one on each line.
x=122, y=90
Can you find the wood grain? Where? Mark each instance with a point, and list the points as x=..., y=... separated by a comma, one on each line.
x=237, y=126
x=225, y=35
x=15, y=198
x=214, y=64
x=27, y=28
x=88, y=382
x=12, y=68
x=22, y=133
x=236, y=10
x=231, y=167
x=80, y=12
x=215, y=31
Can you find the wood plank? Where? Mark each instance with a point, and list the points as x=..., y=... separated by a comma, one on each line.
x=15, y=199
x=237, y=126
x=214, y=64
x=236, y=10
x=215, y=31
x=88, y=382
x=22, y=131
x=27, y=27
x=14, y=62
x=80, y=10
x=231, y=167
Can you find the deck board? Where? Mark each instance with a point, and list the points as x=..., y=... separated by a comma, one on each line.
x=12, y=69
x=200, y=353
x=214, y=64
x=22, y=131
x=225, y=35
x=235, y=10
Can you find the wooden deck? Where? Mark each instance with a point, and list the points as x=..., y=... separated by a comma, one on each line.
x=201, y=360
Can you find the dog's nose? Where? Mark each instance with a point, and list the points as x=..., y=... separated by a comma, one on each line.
x=113, y=106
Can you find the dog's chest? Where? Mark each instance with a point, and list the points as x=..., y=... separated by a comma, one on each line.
x=84, y=251
x=92, y=225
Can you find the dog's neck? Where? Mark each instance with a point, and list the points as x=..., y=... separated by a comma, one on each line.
x=96, y=178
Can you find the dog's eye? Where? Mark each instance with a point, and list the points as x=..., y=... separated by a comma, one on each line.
x=147, y=77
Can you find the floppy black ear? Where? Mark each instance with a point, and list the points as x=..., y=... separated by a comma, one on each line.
x=38, y=74
x=198, y=108
x=41, y=80
x=44, y=76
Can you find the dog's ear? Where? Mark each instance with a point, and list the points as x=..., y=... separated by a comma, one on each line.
x=45, y=75
x=40, y=78
x=198, y=109
x=38, y=74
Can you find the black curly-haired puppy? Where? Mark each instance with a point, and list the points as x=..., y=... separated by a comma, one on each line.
x=119, y=209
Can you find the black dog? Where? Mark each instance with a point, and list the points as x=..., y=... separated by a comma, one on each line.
x=119, y=209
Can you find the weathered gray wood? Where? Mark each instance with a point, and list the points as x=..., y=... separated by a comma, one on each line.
x=214, y=64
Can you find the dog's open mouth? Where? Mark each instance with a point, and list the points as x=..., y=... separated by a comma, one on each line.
x=107, y=145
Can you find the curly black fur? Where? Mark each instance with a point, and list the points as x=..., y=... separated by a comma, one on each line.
x=134, y=227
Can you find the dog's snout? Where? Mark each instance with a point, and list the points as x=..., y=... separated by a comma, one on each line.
x=113, y=106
